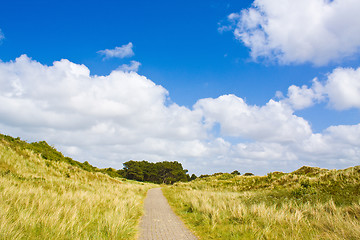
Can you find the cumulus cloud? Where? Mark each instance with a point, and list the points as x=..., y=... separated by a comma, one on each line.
x=341, y=90
x=299, y=31
x=132, y=67
x=303, y=97
x=335, y=146
x=273, y=122
x=117, y=103
x=125, y=111
x=118, y=52
x=107, y=120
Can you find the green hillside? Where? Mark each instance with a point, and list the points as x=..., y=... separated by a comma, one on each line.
x=309, y=203
x=45, y=195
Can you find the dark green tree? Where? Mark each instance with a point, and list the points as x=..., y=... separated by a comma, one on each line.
x=160, y=172
x=133, y=171
x=193, y=177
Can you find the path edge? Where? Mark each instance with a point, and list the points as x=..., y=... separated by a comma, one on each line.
x=182, y=220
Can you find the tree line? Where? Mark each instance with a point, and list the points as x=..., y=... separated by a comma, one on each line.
x=160, y=172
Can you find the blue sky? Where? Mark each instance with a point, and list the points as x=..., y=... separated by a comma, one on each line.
x=194, y=52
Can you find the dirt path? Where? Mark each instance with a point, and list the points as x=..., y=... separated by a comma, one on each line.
x=159, y=221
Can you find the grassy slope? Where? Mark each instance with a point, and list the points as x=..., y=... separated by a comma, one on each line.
x=54, y=199
x=310, y=203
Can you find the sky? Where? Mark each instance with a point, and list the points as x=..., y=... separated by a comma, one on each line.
x=254, y=86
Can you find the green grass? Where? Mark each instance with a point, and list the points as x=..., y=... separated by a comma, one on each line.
x=310, y=203
x=43, y=198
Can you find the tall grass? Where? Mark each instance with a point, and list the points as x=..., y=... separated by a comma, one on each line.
x=321, y=205
x=41, y=199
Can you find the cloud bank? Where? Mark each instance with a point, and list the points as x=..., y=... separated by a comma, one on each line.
x=299, y=31
x=111, y=119
x=118, y=52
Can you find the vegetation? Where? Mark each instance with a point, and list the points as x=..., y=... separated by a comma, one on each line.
x=310, y=203
x=160, y=172
x=45, y=195
x=47, y=152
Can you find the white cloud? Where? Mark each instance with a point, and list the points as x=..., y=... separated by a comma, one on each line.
x=335, y=146
x=132, y=67
x=1, y=36
x=118, y=52
x=111, y=119
x=66, y=106
x=341, y=90
x=304, y=97
x=299, y=31
x=65, y=95
x=272, y=122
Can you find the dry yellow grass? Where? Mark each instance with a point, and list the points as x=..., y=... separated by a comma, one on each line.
x=41, y=199
x=215, y=211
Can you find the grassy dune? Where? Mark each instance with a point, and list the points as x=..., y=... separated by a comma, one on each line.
x=310, y=203
x=45, y=199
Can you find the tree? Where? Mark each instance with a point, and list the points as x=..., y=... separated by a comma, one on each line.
x=193, y=177
x=160, y=172
x=248, y=174
x=133, y=171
